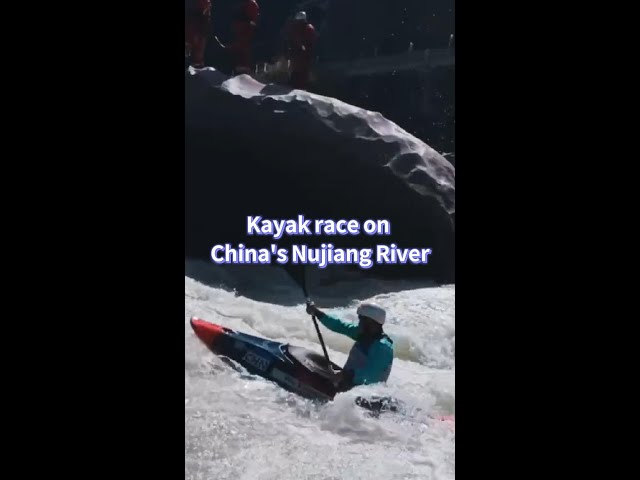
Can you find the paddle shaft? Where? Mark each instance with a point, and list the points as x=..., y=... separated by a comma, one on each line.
x=315, y=321
x=324, y=349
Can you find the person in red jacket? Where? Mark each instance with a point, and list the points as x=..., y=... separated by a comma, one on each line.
x=244, y=28
x=302, y=42
x=197, y=24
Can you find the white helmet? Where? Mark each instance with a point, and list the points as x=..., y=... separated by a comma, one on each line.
x=372, y=311
x=301, y=16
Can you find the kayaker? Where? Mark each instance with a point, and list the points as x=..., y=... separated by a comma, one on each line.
x=371, y=357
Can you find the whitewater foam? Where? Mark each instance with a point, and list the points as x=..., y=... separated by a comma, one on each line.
x=241, y=426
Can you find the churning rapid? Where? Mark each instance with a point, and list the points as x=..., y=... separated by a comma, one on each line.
x=238, y=426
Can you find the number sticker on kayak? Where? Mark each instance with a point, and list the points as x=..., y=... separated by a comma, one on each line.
x=256, y=361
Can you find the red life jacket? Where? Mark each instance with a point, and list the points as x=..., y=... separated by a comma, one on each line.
x=197, y=19
x=243, y=33
x=302, y=39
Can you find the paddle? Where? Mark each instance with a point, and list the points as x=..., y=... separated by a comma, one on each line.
x=303, y=284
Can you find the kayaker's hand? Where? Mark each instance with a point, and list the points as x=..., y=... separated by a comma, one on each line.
x=311, y=308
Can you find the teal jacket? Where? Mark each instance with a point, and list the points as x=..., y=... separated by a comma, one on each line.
x=369, y=360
